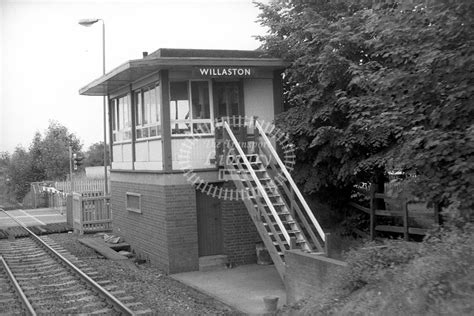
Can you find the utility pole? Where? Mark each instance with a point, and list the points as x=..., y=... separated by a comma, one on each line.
x=70, y=168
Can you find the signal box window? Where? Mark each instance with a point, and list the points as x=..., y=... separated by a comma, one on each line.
x=147, y=112
x=190, y=108
x=122, y=119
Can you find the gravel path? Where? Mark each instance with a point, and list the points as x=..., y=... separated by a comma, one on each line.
x=150, y=286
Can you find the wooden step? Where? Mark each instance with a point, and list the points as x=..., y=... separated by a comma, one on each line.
x=274, y=204
x=276, y=195
x=252, y=163
x=298, y=241
x=294, y=231
x=262, y=179
x=280, y=213
x=284, y=222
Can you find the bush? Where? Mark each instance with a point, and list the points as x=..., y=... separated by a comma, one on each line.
x=372, y=263
x=444, y=269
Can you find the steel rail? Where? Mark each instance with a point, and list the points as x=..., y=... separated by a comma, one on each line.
x=112, y=299
x=19, y=291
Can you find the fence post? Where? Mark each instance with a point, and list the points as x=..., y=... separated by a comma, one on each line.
x=69, y=210
x=405, y=218
x=372, y=211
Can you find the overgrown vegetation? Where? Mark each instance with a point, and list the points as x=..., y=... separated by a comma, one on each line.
x=435, y=277
x=375, y=87
x=95, y=155
x=47, y=158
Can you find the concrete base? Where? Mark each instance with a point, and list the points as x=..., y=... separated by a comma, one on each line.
x=211, y=263
x=243, y=287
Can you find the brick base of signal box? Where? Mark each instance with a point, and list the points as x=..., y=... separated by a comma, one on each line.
x=165, y=231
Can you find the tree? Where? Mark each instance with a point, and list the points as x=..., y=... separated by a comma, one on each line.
x=4, y=165
x=54, y=150
x=19, y=173
x=95, y=155
x=378, y=87
x=46, y=159
x=36, y=159
x=4, y=160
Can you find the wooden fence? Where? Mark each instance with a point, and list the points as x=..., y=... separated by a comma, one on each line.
x=91, y=212
x=81, y=185
x=408, y=209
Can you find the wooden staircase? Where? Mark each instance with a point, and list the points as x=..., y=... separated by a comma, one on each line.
x=276, y=206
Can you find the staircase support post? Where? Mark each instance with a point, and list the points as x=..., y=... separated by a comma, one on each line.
x=293, y=243
x=329, y=245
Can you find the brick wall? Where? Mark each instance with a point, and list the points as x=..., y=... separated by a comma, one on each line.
x=165, y=232
x=239, y=233
x=181, y=219
x=308, y=275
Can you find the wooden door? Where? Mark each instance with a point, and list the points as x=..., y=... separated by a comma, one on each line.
x=209, y=219
x=228, y=98
x=228, y=102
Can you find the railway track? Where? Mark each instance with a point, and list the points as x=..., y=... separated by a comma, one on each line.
x=39, y=277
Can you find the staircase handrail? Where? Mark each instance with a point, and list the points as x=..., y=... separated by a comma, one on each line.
x=257, y=181
x=290, y=180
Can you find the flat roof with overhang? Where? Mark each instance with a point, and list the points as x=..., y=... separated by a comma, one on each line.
x=176, y=59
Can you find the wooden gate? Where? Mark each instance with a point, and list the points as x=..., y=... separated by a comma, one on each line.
x=91, y=212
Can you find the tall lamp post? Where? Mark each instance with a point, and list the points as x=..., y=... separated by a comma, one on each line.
x=89, y=22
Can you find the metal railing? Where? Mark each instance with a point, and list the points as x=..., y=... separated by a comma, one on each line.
x=260, y=188
x=304, y=212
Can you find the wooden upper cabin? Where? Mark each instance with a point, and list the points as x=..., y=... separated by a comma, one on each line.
x=157, y=103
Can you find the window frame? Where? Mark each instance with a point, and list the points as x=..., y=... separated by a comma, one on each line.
x=148, y=125
x=121, y=134
x=132, y=209
x=190, y=120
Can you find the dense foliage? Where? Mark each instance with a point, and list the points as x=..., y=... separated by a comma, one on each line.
x=95, y=155
x=373, y=88
x=46, y=159
x=435, y=277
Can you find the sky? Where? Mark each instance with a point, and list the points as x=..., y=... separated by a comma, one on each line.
x=46, y=56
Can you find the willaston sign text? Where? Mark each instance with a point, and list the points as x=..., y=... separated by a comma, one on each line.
x=224, y=72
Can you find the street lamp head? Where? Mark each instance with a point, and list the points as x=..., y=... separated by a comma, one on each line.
x=88, y=22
